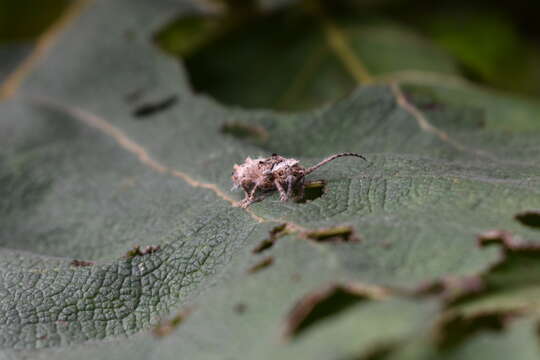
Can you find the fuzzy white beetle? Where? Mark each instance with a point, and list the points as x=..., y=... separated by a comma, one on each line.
x=259, y=177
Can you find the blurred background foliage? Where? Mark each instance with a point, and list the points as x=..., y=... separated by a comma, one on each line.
x=23, y=20
x=242, y=54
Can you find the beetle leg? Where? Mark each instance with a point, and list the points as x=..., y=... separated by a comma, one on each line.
x=247, y=200
x=282, y=194
x=290, y=185
x=253, y=191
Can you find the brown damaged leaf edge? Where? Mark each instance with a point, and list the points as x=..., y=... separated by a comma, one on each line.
x=456, y=289
x=263, y=264
x=138, y=251
x=451, y=289
x=454, y=327
x=167, y=327
x=325, y=302
x=81, y=263
x=274, y=234
x=337, y=234
x=529, y=218
x=509, y=242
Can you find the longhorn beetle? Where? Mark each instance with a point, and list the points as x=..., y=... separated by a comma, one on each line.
x=259, y=177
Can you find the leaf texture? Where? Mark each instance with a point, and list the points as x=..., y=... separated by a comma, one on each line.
x=83, y=178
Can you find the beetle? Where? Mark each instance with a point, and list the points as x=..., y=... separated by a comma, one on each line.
x=261, y=176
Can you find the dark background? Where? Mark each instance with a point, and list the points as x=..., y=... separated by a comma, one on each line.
x=496, y=43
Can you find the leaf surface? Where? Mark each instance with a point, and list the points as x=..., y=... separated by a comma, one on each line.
x=83, y=177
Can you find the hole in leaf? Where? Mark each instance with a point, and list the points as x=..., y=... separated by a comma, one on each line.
x=313, y=190
x=456, y=329
x=138, y=251
x=338, y=301
x=151, y=108
x=81, y=263
x=244, y=131
x=274, y=235
x=495, y=237
x=240, y=308
x=508, y=241
x=324, y=303
x=529, y=218
x=516, y=268
x=264, y=263
x=333, y=234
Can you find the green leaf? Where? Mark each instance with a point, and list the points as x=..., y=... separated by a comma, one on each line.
x=105, y=146
x=511, y=284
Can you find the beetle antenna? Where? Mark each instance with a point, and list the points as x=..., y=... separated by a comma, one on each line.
x=330, y=158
